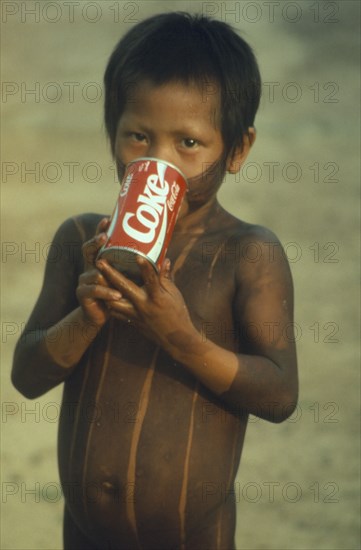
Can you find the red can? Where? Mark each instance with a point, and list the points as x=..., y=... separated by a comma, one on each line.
x=145, y=214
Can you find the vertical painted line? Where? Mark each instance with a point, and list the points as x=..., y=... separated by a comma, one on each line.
x=80, y=228
x=77, y=416
x=143, y=406
x=184, y=254
x=231, y=474
x=183, y=496
x=103, y=371
x=210, y=274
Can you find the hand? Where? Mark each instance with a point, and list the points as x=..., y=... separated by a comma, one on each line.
x=157, y=308
x=93, y=291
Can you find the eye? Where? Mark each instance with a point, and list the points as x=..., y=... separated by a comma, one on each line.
x=190, y=143
x=137, y=136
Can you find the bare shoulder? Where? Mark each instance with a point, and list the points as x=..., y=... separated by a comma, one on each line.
x=256, y=253
x=259, y=244
x=252, y=244
x=65, y=253
x=243, y=248
x=64, y=263
x=79, y=228
x=263, y=269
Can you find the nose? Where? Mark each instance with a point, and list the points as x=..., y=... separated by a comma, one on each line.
x=161, y=151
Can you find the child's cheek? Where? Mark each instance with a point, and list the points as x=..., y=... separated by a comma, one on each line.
x=206, y=184
x=120, y=170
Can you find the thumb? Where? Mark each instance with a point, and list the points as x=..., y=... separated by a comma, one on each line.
x=165, y=270
x=102, y=225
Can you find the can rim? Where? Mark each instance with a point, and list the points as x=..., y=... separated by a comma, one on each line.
x=164, y=162
x=104, y=250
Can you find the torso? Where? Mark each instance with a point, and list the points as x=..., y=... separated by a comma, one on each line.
x=147, y=454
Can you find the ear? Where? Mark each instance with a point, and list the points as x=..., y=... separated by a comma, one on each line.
x=235, y=161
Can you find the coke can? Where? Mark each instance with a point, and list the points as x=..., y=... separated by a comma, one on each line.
x=152, y=191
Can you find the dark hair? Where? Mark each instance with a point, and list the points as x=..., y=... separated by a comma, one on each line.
x=191, y=49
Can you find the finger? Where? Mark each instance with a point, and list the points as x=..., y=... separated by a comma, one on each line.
x=129, y=290
x=97, y=292
x=91, y=248
x=102, y=225
x=165, y=270
x=122, y=317
x=93, y=277
x=123, y=307
x=149, y=275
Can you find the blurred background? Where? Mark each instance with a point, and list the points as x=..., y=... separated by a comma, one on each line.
x=298, y=484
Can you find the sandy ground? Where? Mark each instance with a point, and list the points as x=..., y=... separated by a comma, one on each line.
x=298, y=484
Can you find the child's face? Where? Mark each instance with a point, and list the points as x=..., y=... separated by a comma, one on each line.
x=175, y=123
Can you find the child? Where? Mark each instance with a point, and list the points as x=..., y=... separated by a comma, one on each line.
x=159, y=379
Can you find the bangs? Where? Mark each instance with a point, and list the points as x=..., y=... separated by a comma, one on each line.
x=190, y=49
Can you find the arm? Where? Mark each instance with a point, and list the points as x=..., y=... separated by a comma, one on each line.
x=262, y=380
x=59, y=331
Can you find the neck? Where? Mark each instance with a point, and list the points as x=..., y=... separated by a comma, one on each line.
x=197, y=218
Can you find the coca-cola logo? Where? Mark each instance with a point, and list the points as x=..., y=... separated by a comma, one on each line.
x=142, y=224
x=125, y=186
x=174, y=192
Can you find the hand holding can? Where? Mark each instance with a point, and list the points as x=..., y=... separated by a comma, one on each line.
x=145, y=214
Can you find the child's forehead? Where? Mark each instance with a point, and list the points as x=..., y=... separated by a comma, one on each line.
x=204, y=91
x=200, y=97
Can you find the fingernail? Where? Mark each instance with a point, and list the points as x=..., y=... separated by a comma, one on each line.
x=116, y=295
